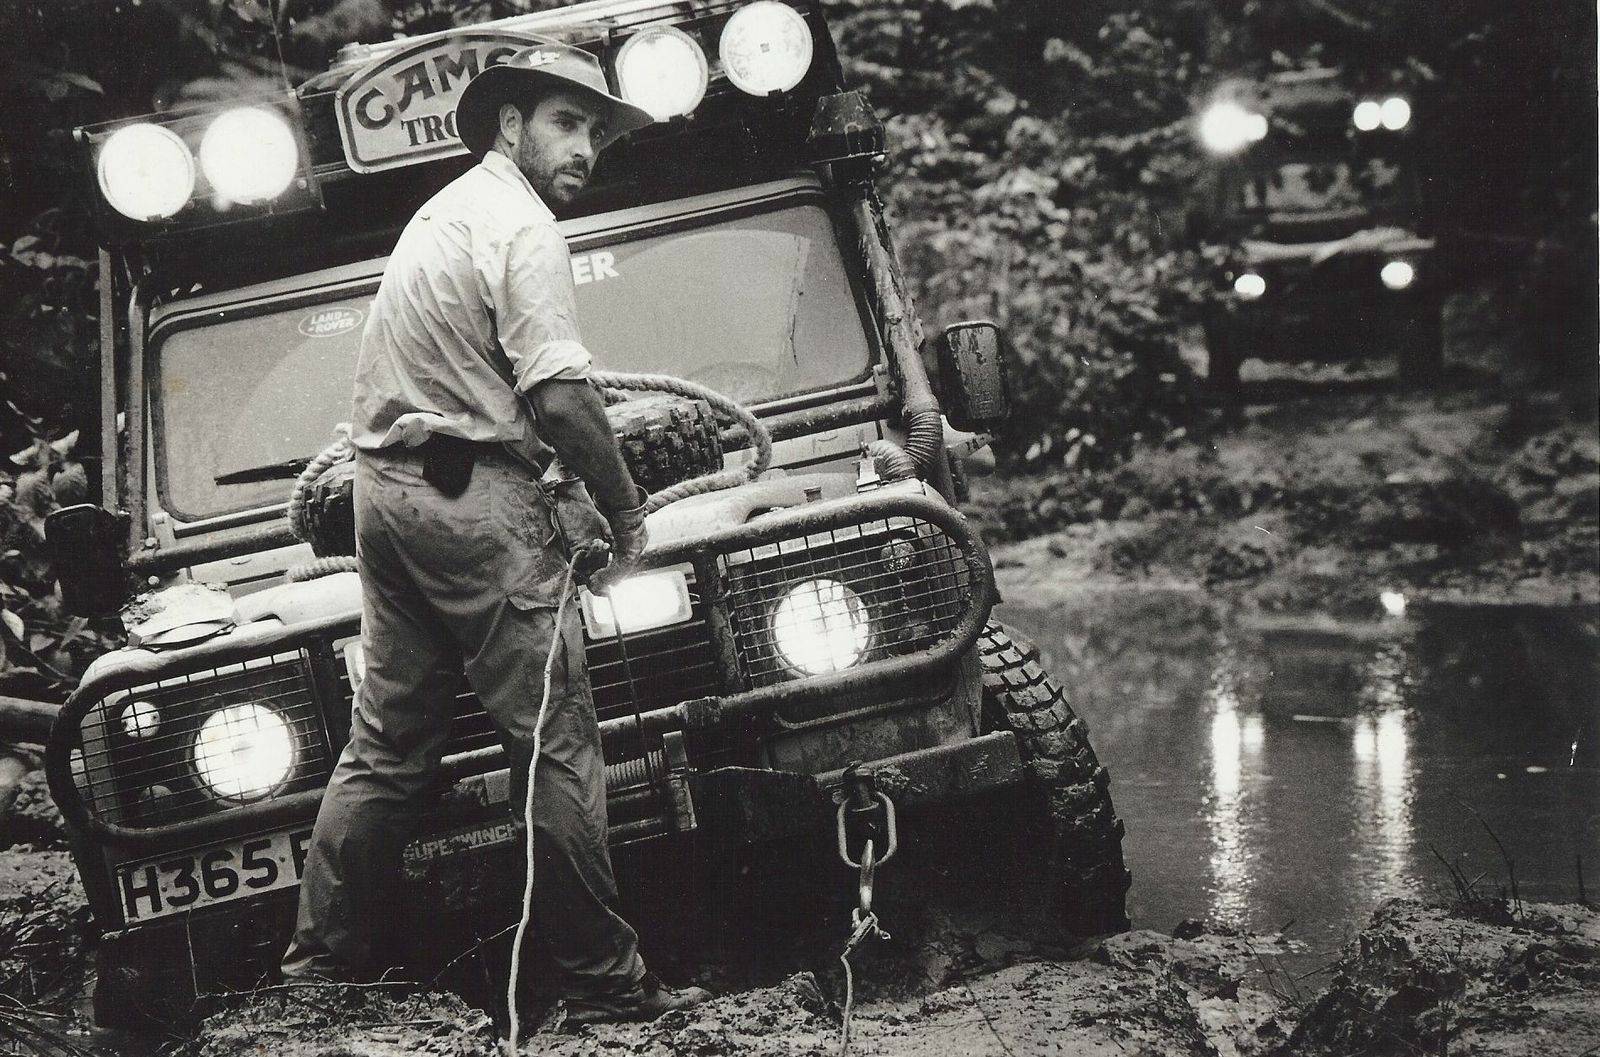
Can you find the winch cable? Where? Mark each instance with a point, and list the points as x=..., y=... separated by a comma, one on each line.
x=342, y=450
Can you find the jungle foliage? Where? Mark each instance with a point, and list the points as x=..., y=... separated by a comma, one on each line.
x=1042, y=174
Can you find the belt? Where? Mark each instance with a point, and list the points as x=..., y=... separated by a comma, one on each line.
x=447, y=461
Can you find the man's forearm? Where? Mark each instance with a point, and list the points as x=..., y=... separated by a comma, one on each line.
x=572, y=420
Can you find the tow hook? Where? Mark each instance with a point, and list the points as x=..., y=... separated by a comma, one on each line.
x=870, y=812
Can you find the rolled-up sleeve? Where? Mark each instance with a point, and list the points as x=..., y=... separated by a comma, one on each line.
x=535, y=308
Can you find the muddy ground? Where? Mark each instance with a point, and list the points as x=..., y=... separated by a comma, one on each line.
x=1324, y=500
x=1475, y=978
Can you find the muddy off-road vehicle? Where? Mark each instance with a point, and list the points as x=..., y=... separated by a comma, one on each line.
x=835, y=611
x=1315, y=196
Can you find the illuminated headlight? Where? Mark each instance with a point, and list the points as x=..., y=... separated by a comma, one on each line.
x=639, y=603
x=1227, y=128
x=820, y=626
x=1395, y=113
x=1250, y=286
x=765, y=48
x=1367, y=115
x=146, y=172
x=664, y=71
x=141, y=719
x=244, y=752
x=1397, y=275
x=249, y=155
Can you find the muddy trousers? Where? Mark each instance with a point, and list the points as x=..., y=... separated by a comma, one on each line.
x=471, y=582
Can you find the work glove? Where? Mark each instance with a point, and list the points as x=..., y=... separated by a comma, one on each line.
x=629, y=538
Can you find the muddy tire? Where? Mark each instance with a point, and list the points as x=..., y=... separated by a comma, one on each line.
x=1222, y=357
x=666, y=439
x=1419, y=345
x=1067, y=792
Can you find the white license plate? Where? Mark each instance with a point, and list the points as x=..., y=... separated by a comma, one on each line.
x=217, y=874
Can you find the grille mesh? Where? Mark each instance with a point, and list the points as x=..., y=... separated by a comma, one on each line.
x=669, y=665
x=797, y=606
x=252, y=730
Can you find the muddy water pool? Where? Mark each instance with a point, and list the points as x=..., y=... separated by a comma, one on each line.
x=1299, y=772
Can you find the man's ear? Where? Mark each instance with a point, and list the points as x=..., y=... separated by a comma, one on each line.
x=510, y=124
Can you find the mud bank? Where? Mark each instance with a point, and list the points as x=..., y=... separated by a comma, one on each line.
x=1480, y=978
x=1324, y=501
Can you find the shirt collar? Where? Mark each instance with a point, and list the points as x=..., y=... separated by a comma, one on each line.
x=503, y=168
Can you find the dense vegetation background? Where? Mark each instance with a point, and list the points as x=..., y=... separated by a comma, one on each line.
x=1042, y=172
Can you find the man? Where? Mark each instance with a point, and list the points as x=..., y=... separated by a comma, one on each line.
x=470, y=366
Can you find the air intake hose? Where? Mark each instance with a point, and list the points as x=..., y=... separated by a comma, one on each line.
x=920, y=409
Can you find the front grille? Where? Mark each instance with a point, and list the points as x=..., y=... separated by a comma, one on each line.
x=669, y=665
x=194, y=745
x=905, y=585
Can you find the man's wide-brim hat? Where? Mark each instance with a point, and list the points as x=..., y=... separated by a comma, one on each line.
x=540, y=66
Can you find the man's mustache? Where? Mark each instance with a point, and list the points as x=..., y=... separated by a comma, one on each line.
x=579, y=170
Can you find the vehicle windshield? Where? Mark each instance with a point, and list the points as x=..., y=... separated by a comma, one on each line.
x=757, y=307
x=1322, y=187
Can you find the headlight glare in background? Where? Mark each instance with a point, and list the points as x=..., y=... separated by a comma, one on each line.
x=1395, y=113
x=1227, y=128
x=1397, y=275
x=1250, y=286
x=662, y=70
x=765, y=48
x=146, y=172
x=244, y=752
x=249, y=155
x=1368, y=115
x=821, y=626
x=639, y=603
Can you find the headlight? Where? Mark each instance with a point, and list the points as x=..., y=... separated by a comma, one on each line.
x=662, y=70
x=141, y=719
x=244, y=752
x=1397, y=275
x=1367, y=115
x=1250, y=286
x=639, y=603
x=249, y=155
x=1227, y=128
x=1395, y=113
x=146, y=172
x=765, y=48
x=820, y=626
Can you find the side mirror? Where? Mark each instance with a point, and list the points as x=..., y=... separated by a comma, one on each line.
x=85, y=544
x=973, y=376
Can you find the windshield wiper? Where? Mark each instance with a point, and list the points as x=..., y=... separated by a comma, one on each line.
x=276, y=471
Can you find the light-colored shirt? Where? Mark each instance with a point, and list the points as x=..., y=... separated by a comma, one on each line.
x=476, y=307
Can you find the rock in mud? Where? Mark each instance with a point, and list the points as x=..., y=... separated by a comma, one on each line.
x=1480, y=978
x=44, y=925
x=333, y=1020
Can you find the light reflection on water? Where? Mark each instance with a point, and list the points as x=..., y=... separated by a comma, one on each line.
x=1307, y=773
x=1236, y=746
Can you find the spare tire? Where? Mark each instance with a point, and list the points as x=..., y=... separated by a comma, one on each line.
x=330, y=510
x=666, y=439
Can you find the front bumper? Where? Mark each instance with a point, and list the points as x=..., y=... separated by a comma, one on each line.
x=152, y=974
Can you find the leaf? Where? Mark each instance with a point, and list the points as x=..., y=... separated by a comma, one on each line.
x=13, y=623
